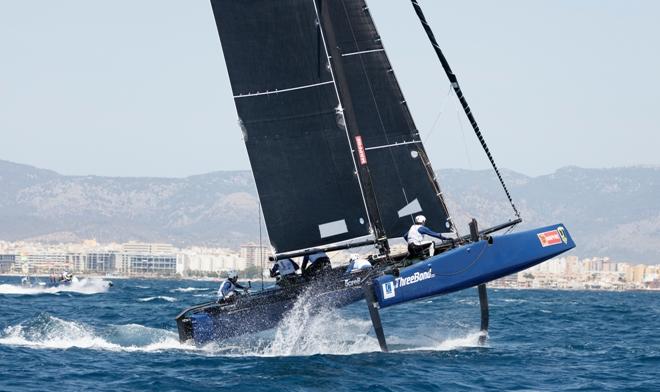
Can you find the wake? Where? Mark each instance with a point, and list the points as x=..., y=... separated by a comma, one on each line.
x=158, y=298
x=81, y=286
x=49, y=332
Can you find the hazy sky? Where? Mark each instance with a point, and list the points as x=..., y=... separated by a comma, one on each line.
x=139, y=88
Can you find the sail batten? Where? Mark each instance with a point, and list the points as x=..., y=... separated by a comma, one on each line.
x=283, y=90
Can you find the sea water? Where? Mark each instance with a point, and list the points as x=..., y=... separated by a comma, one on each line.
x=124, y=339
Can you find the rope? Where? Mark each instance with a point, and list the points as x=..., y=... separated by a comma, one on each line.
x=461, y=98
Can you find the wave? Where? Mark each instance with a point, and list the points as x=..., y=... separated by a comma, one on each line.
x=306, y=331
x=471, y=340
x=188, y=289
x=158, y=298
x=515, y=300
x=81, y=286
x=303, y=332
x=207, y=295
x=48, y=332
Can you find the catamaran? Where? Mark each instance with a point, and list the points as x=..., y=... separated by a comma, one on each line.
x=339, y=163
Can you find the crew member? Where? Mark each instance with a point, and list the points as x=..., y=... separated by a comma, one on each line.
x=228, y=288
x=66, y=276
x=318, y=262
x=284, y=268
x=418, y=245
x=357, y=264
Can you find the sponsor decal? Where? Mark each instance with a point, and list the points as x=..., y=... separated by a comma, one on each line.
x=414, y=278
x=388, y=290
x=549, y=238
x=351, y=283
x=362, y=154
x=562, y=234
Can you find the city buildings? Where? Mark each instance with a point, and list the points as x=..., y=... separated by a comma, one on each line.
x=569, y=272
x=255, y=255
x=128, y=259
x=164, y=260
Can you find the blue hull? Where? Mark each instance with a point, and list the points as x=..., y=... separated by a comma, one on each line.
x=207, y=326
x=472, y=264
x=264, y=310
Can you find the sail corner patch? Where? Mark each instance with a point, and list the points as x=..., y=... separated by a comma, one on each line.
x=549, y=238
x=411, y=208
x=333, y=228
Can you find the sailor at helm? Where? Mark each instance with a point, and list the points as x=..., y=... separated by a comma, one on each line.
x=418, y=244
x=284, y=268
x=228, y=288
x=357, y=263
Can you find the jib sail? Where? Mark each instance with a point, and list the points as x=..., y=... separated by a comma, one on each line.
x=402, y=178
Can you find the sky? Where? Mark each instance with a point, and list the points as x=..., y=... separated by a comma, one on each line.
x=139, y=88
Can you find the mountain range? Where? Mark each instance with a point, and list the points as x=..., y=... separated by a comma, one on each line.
x=611, y=212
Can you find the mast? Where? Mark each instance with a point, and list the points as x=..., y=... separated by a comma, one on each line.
x=459, y=93
x=352, y=129
x=335, y=153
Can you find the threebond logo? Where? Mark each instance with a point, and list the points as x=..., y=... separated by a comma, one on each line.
x=414, y=278
x=388, y=290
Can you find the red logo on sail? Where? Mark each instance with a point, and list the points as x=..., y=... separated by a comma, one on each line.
x=362, y=154
x=548, y=238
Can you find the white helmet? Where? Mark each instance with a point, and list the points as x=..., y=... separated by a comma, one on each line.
x=232, y=275
x=420, y=219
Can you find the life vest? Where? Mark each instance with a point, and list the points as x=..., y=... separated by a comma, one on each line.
x=315, y=256
x=285, y=267
x=359, y=264
x=414, y=236
x=225, y=288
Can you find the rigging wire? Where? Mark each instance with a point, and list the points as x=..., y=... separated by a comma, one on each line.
x=459, y=94
x=467, y=152
x=437, y=118
x=261, y=250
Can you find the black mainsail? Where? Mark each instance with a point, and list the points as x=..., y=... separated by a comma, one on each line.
x=334, y=150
